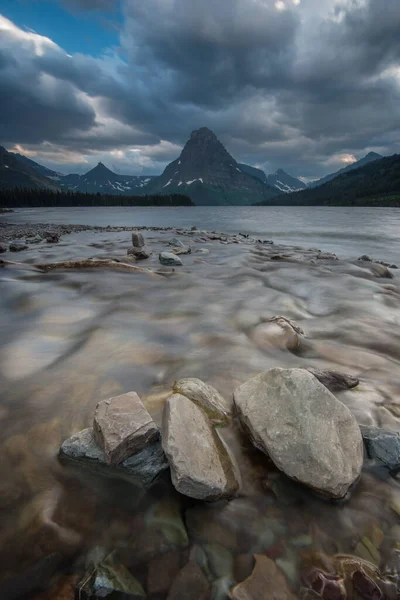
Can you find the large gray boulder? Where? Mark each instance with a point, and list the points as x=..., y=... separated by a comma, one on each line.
x=207, y=397
x=201, y=465
x=122, y=426
x=140, y=253
x=168, y=259
x=143, y=468
x=307, y=432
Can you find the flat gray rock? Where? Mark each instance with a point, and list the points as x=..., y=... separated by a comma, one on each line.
x=307, y=432
x=382, y=445
x=201, y=465
x=122, y=426
x=335, y=381
x=137, y=239
x=176, y=242
x=205, y=396
x=142, y=468
x=169, y=259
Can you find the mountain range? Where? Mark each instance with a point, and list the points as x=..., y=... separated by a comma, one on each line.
x=204, y=171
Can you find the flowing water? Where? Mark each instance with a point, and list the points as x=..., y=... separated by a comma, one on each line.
x=72, y=338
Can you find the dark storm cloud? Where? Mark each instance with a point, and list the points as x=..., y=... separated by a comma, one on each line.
x=90, y=4
x=284, y=84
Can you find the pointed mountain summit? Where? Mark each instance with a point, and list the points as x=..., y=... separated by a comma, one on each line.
x=285, y=183
x=208, y=174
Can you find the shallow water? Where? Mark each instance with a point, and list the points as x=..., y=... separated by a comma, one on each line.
x=70, y=339
x=350, y=232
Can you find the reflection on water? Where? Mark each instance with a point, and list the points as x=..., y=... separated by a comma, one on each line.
x=69, y=339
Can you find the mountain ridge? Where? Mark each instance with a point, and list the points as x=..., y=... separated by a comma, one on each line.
x=370, y=157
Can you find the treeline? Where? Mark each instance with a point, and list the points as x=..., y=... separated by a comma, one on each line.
x=20, y=198
x=375, y=184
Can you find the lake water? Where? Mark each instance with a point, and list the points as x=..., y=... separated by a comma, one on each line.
x=70, y=338
x=350, y=232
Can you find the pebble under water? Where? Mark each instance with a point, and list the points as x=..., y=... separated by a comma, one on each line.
x=72, y=338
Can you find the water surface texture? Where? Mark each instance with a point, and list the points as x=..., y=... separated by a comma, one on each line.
x=72, y=338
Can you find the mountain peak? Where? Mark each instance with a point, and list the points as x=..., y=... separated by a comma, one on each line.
x=203, y=133
x=373, y=156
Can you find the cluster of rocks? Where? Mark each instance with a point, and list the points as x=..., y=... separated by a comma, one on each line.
x=291, y=415
x=139, y=250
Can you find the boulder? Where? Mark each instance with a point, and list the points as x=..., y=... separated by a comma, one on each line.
x=203, y=394
x=142, y=469
x=169, y=259
x=335, y=381
x=176, y=242
x=308, y=433
x=278, y=332
x=382, y=445
x=122, y=426
x=137, y=239
x=17, y=246
x=52, y=237
x=201, y=465
x=266, y=582
x=140, y=253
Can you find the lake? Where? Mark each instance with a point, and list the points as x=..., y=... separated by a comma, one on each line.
x=349, y=232
x=72, y=337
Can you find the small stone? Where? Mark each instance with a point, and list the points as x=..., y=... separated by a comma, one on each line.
x=265, y=583
x=176, y=242
x=194, y=228
x=382, y=445
x=122, y=426
x=140, y=253
x=365, y=258
x=201, y=466
x=205, y=396
x=191, y=584
x=17, y=246
x=327, y=256
x=143, y=468
x=3, y=248
x=310, y=435
x=137, y=239
x=109, y=578
x=182, y=250
x=335, y=381
x=278, y=332
x=168, y=259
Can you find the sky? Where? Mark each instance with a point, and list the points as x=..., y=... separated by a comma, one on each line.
x=304, y=85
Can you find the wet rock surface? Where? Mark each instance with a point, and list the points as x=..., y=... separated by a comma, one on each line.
x=169, y=259
x=335, y=381
x=303, y=428
x=382, y=445
x=122, y=427
x=208, y=398
x=140, y=253
x=142, y=468
x=201, y=466
x=265, y=583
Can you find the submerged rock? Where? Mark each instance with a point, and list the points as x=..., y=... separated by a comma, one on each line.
x=2, y=248
x=137, y=239
x=191, y=584
x=176, y=242
x=310, y=435
x=279, y=332
x=17, y=246
x=142, y=469
x=52, y=237
x=265, y=583
x=169, y=259
x=140, y=253
x=335, y=381
x=122, y=426
x=382, y=445
x=201, y=466
x=205, y=396
x=182, y=250
x=109, y=579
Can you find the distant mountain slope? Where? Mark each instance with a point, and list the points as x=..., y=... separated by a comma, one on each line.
x=104, y=181
x=16, y=174
x=286, y=183
x=370, y=157
x=376, y=183
x=208, y=174
x=41, y=169
x=254, y=172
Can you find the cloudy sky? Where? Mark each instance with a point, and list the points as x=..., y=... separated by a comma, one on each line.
x=305, y=85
